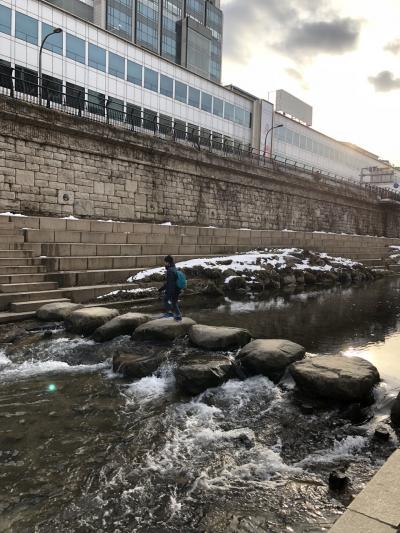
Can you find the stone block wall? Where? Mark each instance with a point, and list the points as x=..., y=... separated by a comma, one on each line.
x=57, y=165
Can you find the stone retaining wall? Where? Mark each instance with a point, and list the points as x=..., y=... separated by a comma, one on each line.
x=55, y=164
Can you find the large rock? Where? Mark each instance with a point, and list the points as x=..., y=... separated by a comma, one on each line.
x=270, y=357
x=120, y=325
x=163, y=329
x=395, y=412
x=57, y=312
x=87, y=320
x=197, y=376
x=218, y=338
x=343, y=379
x=136, y=365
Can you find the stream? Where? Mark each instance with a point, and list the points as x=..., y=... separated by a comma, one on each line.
x=83, y=450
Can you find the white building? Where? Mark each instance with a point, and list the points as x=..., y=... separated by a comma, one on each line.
x=92, y=70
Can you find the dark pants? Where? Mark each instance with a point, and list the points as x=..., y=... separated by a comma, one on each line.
x=171, y=303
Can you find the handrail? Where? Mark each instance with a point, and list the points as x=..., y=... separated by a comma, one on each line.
x=73, y=104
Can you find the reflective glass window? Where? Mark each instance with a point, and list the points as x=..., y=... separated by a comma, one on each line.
x=116, y=65
x=74, y=96
x=26, y=28
x=181, y=92
x=239, y=116
x=134, y=115
x=194, y=97
x=205, y=137
x=165, y=124
x=147, y=22
x=135, y=73
x=76, y=48
x=52, y=89
x=151, y=79
x=218, y=107
x=296, y=139
x=229, y=111
x=54, y=43
x=26, y=80
x=289, y=136
x=206, y=102
x=97, y=57
x=150, y=119
x=119, y=17
x=196, y=9
x=166, y=86
x=96, y=102
x=115, y=109
x=180, y=129
x=5, y=20
x=6, y=74
x=309, y=144
x=247, y=119
x=303, y=142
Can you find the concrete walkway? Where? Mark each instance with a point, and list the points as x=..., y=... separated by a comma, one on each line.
x=377, y=508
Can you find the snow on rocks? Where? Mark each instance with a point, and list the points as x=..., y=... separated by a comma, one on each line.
x=338, y=378
x=129, y=294
x=270, y=357
x=218, y=338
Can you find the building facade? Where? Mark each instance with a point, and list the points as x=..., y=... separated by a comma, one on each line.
x=102, y=73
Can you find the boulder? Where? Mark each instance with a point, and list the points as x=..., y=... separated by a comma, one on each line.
x=234, y=283
x=395, y=412
x=57, y=311
x=270, y=357
x=136, y=366
x=163, y=329
x=343, y=379
x=338, y=481
x=120, y=325
x=87, y=320
x=218, y=338
x=197, y=376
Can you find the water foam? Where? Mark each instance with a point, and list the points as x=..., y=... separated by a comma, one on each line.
x=30, y=369
x=347, y=448
x=152, y=387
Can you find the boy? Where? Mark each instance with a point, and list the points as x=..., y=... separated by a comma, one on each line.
x=172, y=291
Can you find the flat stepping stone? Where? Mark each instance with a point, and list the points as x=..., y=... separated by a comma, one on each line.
x=57, y=311
x=200, y=375
x=120, y=325
x=163, y=329
x=270, y=357
x=86, y=321
x=339, y=378
x=218, y=338
x=135, y=365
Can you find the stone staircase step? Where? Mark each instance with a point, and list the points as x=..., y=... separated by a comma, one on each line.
x=15, y=253
x=7, y=316
x=21, y=278
x=7, y=299
x=27, y=287
x=10, y=239
x=33, y=305
x=19, y=261
x=11, y=270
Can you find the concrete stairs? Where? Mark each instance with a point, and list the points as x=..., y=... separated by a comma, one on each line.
x=45, y=259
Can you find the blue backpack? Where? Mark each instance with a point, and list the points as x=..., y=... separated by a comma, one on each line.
x=181, y=281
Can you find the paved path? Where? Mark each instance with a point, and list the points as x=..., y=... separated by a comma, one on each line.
x=377, y=508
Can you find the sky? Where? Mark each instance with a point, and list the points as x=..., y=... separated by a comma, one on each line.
x=340, y=56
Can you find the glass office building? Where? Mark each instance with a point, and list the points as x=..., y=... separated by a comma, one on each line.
x=186, y=32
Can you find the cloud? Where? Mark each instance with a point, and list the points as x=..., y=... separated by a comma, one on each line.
x=393, y=47
x=385, y=82
x=333, y=37
x=284, y=26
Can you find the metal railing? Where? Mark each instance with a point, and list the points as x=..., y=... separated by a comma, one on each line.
x=108, y=112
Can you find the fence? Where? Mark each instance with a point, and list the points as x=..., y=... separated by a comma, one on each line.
x=146, y=122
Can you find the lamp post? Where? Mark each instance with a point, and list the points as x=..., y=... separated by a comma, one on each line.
x=266, y=137
x=56, y=30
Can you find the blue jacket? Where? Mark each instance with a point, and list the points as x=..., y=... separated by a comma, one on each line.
x=170, y=285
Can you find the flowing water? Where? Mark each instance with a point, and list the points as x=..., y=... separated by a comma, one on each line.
x=84, y=450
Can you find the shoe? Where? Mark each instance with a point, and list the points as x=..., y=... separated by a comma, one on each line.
x=167, y=315
x=178, y=318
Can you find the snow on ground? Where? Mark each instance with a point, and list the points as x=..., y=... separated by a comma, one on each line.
x=252, y=261
x=135, y=293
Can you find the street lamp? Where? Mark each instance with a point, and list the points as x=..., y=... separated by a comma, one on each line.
x=266, y=136
x=56, y=30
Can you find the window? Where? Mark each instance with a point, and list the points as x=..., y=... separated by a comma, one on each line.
x=303, y=142
x=218, y=107
x=296, y=139
x=135, y=73
x=217, y=142
x=5, y=74
x=205, y=138
x=54, y=43
x=165, y=125
x=149, y=120
x=166, y=86
x=151, y=79
x=96, y=103
x=5, y=20
x=181, y=92
x=180, y=129
x=206, y=102
x=239, y=116
x=76, y=48
x=115, y=109
x=309, y=144
x=134, y=115
x=194, y=97
x=289, y=136
x=116, y=65
x=119, y=17
x=229, y=111
x=193, y=133
x=97, y=57
x=26, y=28
x=26, y=80
x=75, y=96
x=52, y=89
x=247, y=119
x=196, y=9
